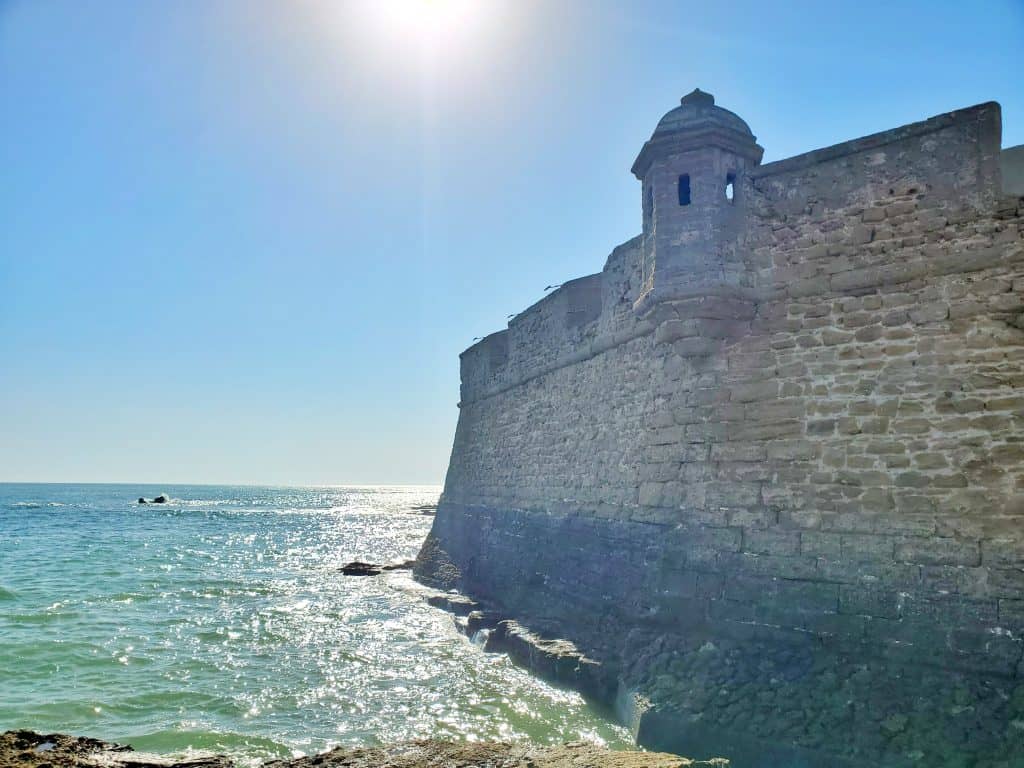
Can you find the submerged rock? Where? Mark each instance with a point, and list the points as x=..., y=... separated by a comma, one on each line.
x=25, y=749
x=359, y=568
x=405, y=565
x=161, y=499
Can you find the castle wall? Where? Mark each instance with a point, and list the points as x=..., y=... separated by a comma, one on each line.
x=832, y=461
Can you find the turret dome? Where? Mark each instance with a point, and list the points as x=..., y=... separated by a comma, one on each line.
x=697, y=123
x=697, y=109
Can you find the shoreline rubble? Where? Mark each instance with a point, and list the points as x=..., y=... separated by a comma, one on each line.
x=27, y=749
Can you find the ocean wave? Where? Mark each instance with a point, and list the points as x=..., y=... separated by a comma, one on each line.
x=183, y=511
x=205, y=502
x=8, y=594
x=238, y=745
x=49, y=617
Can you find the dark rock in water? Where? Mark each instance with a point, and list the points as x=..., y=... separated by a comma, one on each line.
x=425, y=509
x=358, y=568
x=142, y=500
x=25, y=749
x=405, y=565
x=161, y=499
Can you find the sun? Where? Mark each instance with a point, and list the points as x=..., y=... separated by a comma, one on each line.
x=428, y=23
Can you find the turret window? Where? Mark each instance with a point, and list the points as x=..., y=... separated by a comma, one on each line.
x=730, y=187
x=684, y=189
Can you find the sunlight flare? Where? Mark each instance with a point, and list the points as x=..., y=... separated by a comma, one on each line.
x=429, y=24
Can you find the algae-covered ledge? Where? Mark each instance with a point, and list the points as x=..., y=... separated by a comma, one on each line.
x=766, y=470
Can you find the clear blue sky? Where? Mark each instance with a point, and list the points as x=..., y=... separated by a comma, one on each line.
x=245, y=241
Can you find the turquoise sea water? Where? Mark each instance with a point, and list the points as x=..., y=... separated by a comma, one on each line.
x=219, y=621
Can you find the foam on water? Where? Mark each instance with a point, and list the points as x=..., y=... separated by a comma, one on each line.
x=219, y=621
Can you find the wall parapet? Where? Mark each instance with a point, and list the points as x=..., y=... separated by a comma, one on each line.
x=576, y=321
x=986, y=116
x=796, y=226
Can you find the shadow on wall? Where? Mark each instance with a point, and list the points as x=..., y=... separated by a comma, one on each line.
x=1011, y=162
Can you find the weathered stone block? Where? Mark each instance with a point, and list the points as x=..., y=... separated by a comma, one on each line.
x=651, y=494
x=1004, y=552
x=866, y=547
x=1004, y=582
x=762, y=390
x=821, y=427
x=861, y=234
x=900, y=208
x=733, y=494
x=869, y=601
x=833, y=337
x=769, y=565
x=938, y=551
x=710, y=585
x=665, y=435
x=808, y=596
x=738, y=452
x=742, y=432
x=696, y=347
x=729, y=610
x=764, y=542
x=790, y=450
x=1011, y=613
x=820, y=544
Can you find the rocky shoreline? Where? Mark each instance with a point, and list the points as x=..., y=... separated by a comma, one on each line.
x=27, y=749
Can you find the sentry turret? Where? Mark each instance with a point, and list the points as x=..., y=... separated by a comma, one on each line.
x=692, y=170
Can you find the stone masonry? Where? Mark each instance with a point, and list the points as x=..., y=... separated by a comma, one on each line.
x=784, y=426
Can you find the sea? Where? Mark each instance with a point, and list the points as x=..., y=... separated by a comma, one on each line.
x=220, y=621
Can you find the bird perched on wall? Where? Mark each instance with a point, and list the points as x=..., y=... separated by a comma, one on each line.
x=557, y=285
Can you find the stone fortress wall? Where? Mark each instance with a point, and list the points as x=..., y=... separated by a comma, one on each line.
x=789, y=416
